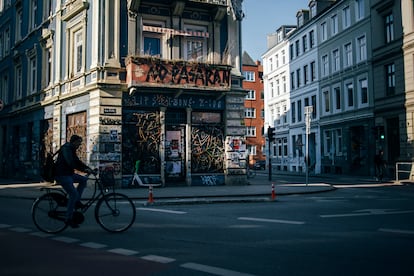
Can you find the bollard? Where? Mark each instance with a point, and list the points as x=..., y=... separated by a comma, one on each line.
x=150, y=196
x=273, y=191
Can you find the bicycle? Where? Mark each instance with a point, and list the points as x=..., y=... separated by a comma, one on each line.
x=114, y=212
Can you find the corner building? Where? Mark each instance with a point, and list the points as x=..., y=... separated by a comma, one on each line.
x=157, y=82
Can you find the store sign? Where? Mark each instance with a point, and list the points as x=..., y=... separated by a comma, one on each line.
x=183, y=101
x=162, y=73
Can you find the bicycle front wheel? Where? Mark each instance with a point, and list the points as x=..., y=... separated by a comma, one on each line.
x=115, y=212
x=48, y=213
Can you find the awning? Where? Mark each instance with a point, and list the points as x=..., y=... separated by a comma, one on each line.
x=174, y=32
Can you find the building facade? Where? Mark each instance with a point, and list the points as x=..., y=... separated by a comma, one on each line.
x=346, y=62
x=157, y=82
x=254, y=109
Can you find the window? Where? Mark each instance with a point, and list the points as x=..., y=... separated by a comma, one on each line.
x=324, y=31
x=283, y=57
x=272, y=89
x=291, y=51
x=152, y=45
x=325, y=66
x=304, y=43
x=389, y=28
x=271, y=64
x=326, y=101
x=311, y=39
x=334, y=24
x=335, y=60
x=277, y=61
x=284, y=84
x=47, y=66
x=348, y=55
x=19, y=24
x=313, y=71
x=78, y=52
x=250, y=113
x=292, y=80
x=297, y=46
x=251, y=149
x=48, y=9
x=346, y=17
x=338, y=142
x=251, y=131
x=349, y=88
x=327, y=142
x=249, y=76
x=363, y=92
x=6, y=41
x=18, y=81
x=298, y=78
x=362, y=48
x=195, y=47
x=251, y=95
x=300, y=111
x=277, y=87
x=360, y=9
x=33, y=14
x=313, y=107
x=32, y=75
x=305, y=74
x=1, y=45
x=337, y=95
x=390, y=79
x=4, y=87
x=293, y=112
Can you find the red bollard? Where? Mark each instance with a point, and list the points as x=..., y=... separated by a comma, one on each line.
x=150, y=196
x=273, y=192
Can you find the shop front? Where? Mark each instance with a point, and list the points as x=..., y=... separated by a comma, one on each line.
x=177, y=141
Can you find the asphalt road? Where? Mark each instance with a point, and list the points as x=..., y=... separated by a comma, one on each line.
x=349, y=231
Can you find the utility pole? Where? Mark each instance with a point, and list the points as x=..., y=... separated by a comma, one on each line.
x=308, y=112
x=271, y=137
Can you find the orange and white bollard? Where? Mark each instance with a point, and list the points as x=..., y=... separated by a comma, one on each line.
x=150, y=196
x=273, y=191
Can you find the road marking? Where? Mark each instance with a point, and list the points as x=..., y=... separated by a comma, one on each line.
x=158, y=259
x=162, y=211
x=5, y=225
x=123, y=251
x=213, y=270
x=272, y=220
x=93, y=245
x=368, y=212
x=396, y=231
x=65, y=239
x=20, y=229
x=41, y=234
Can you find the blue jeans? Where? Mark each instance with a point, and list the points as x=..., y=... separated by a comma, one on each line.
x=74, y=193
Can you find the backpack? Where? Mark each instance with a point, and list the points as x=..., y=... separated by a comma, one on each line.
x=48, y=172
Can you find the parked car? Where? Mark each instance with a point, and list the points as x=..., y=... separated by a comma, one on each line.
x=260, y=165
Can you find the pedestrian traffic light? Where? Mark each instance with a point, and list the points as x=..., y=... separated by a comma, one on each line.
x=271, y=133
x=381, y=133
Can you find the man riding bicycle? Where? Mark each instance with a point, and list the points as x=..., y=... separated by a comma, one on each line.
x=66, y=164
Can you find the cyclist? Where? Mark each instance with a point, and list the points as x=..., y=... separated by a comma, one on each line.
x=66, y=164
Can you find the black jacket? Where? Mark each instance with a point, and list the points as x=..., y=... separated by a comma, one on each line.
x=68, y=161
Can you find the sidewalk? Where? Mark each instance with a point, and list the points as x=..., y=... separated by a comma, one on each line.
x=259, y=189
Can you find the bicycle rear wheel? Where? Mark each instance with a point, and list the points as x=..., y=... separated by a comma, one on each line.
x=115, y=212
x=48, y=213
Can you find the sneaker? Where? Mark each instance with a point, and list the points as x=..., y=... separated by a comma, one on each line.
x=72, y=224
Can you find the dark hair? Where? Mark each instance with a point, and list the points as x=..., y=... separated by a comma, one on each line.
x=75, y=138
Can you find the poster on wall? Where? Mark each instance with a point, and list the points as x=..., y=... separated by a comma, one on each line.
x=235, y=152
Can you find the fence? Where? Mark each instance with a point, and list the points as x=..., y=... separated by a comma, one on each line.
x=404, y=171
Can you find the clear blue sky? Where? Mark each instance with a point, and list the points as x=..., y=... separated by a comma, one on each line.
x=263, y=17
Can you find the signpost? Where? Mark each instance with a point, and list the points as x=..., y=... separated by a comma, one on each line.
x=308, y=112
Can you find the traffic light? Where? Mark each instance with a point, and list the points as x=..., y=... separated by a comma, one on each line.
x=271, y=133
x=380, y=133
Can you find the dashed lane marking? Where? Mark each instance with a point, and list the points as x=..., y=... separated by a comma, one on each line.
x=368, y=212
x=158, y=259
x=272, y=220
x=396, y=231
x=65, y=239
x=20, y=229
x=93, y=245
x=162, y=211
x=4, y=226
x=41, y=234
x=123, y=251
x=213, y=270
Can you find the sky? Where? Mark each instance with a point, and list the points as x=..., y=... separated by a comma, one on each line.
x=263, y=17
